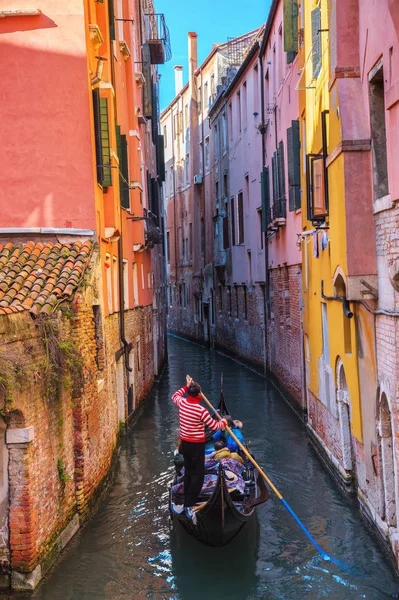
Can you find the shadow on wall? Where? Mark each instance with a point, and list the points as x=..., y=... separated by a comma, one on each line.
x=13, y=24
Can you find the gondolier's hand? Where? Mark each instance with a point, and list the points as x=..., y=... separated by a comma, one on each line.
x=189, y=379
x=223, y=424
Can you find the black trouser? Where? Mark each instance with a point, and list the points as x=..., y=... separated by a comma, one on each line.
x=194, y=470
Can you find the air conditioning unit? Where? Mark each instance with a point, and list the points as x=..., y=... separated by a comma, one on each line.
x=198, y=179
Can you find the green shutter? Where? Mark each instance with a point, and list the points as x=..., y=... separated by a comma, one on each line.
x=111, y=17
x=294, y=167
x=161, y=158
x=265, y=191
x=97, y=135
x=147, y=88
x=316, y=41
x=105, y=143
x=290, y=26
x=281, y=170
x=124, y=169
x=291, y=57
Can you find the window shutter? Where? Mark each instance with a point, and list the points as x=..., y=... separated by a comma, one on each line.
x=161, y=157
x=154, y=119
x=147, y=88
x=294, y=172
x=265, y=189
x=124, y=169
x=154, y=197
x=316, y=41
x=97, y=135
x=290, y=26
x=233, y=222
x=281, y=171
x=105, y=143
x=274, y=177
x=149, y=190
x=111, y=17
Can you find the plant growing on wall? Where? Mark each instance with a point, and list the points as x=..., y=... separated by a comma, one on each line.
x=63, y=363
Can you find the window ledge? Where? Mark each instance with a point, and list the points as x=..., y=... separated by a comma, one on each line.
x=381, y=204
x=95, y=35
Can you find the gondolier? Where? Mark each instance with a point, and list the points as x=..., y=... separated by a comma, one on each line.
x=193, y=418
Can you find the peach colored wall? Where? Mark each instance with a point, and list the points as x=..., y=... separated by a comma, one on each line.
x=47, y=161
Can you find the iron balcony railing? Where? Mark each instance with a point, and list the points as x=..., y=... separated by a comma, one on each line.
x=277, y=212
x=158, y=38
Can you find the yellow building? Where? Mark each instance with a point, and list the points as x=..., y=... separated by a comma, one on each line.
x=339, y=263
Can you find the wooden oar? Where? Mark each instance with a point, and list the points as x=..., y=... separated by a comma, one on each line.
x=324, y=555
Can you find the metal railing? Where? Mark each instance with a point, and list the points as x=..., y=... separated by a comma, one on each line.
x=157, y=32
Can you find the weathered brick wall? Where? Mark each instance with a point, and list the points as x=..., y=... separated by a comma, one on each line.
x=284, y=329
x=325, y=425
x=239, y=324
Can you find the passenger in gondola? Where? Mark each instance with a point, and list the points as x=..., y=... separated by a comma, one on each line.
x=224, y=437
x=193, y=418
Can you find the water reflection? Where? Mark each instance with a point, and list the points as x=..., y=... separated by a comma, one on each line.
x=128, y=550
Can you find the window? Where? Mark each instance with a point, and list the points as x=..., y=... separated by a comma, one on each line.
x=199, y=104
x=207, y=154
x=175, y=124
x=190, y=241
x=265, y=192
x=109, y=281
x=279, y=209
x=125, y=285
x=317, y=180
x=115, y=280
x=256, y=90
x=168, y=247
x=206, y=96
x=181, y=122
x=216, y=142
x=135, y=285
x=226, y=243
x=213, y=89
x=187, y=169
x=246, y=193
x=244, y=105
x=201, y=158
x=165, y=137
x=378, y=133
x=294, y=167
x=122, y=150
x=224, y=132
x=239, y=111
x=245, y=298
x=186, y=115
x=225, y=186
x=240, y=218
x=316, y=41
x=230, y=115
x=102, y=138
x=142, y=277
x=233, y=219
x=216, y=192
x=111, y=18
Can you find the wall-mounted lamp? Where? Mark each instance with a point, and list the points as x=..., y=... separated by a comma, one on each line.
x=100, y=68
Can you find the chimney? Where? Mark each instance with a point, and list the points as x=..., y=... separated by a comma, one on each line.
x=192, y=54
x=178, y=79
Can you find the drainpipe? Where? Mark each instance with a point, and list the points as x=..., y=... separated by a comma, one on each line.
x=266, y=292
x=122, y=304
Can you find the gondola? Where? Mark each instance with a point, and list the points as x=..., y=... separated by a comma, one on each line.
x=221, y=516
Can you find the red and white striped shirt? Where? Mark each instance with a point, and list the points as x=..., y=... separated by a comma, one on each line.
x=193, y=417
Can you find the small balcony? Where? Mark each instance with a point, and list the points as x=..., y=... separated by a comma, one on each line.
x=277, y=214
x=158, y=39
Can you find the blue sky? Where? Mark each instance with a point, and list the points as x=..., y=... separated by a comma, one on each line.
x=213, y=20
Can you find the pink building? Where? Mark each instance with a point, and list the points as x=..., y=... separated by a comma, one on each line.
x=282, y=201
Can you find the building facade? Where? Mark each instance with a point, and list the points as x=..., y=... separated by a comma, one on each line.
x=88, y=175
x=192, y=196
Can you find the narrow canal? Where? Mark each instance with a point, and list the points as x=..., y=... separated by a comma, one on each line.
x=130, y=551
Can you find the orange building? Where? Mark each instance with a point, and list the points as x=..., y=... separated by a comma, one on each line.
x=82, y=167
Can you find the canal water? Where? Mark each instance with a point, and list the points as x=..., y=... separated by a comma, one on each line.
x=129, y=550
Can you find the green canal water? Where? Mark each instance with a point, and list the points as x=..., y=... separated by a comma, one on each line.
x=129, y=550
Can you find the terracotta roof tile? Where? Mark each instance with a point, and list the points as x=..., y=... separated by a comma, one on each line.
x=37, y=276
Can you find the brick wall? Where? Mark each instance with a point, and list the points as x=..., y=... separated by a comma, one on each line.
x=284, y=328
x=239, y=322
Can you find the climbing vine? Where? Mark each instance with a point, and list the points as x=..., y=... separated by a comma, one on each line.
x=12, y=375
x=63, y=363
